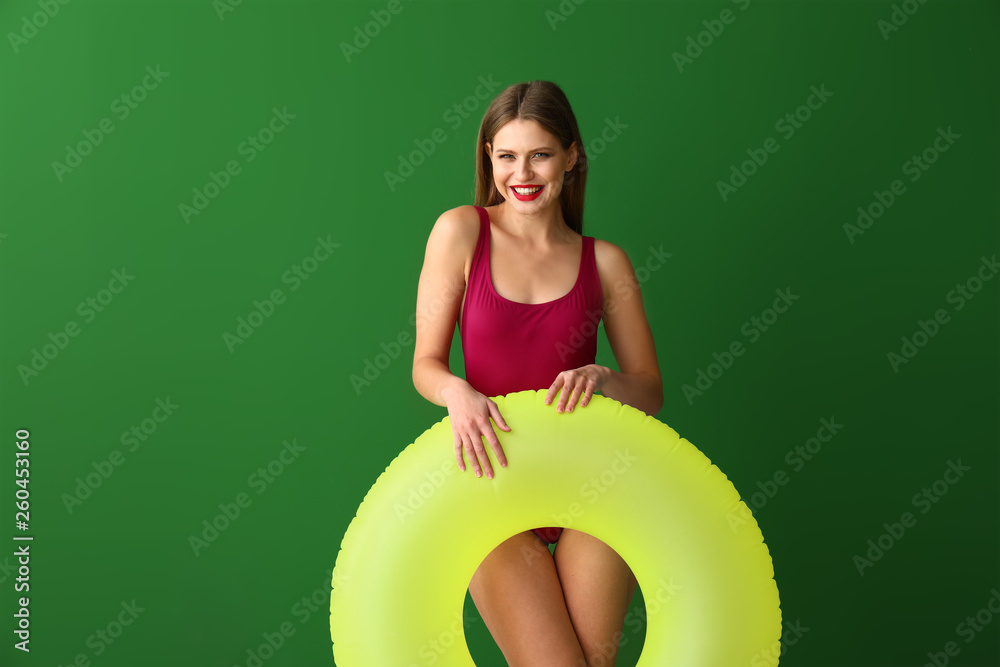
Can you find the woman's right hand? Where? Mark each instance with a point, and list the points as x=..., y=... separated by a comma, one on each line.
x=470, y=413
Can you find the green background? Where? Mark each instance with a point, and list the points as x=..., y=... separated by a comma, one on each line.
x=655, y=184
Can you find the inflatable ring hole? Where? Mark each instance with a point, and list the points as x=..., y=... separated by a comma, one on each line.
x=525, y=550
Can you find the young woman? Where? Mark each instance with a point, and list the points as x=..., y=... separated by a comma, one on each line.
x=522, y=283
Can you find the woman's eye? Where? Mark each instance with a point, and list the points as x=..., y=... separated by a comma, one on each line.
x=509, y=155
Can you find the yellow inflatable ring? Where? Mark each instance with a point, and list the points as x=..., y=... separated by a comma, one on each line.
x=606, y=469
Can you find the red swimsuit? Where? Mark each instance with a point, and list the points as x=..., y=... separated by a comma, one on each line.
x=511, y=346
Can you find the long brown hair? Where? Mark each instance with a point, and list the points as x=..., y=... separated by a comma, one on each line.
x=545, y=103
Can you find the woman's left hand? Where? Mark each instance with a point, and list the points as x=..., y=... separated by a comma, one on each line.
x=573, y=384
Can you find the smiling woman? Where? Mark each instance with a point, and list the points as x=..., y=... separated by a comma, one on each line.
x=527, y=290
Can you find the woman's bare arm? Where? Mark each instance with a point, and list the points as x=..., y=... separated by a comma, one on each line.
x=638, y=383
x=439, y=297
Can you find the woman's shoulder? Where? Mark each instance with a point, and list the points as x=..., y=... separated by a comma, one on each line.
x=609, y=256
x=614, y=268
x=457, y=229
x=460, y=216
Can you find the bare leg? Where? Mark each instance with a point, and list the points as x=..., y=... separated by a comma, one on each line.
x=517, y=592
x=598, y=587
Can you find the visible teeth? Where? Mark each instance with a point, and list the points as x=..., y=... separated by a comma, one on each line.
x=526, y=191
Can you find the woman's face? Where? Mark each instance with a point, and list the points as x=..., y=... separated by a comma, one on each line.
x=523, y=153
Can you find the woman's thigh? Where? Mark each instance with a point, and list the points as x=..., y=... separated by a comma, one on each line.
x=598, y=587
x=517, y=592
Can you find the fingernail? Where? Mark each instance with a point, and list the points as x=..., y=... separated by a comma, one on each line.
x=489, y=475
x=478, y=474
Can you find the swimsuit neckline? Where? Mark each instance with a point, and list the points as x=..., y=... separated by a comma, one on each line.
x=489, y=271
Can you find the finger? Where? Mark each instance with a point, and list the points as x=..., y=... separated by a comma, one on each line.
x=497, y=449
x=470, y=452
x=556, y=384
x=564, y=396
x=587, y=395
x=484, y=457
x=458, y=453
x=575, y=396
x=497, y=417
